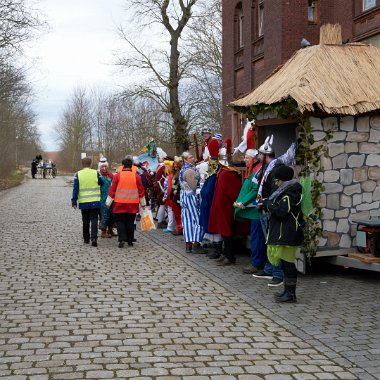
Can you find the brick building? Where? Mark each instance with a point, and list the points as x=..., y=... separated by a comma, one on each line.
x=260, y=35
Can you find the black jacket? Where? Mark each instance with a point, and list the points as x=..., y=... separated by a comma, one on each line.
x=269, y=186
x=286, y=220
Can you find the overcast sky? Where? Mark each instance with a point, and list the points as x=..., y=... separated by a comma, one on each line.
x=77, y=51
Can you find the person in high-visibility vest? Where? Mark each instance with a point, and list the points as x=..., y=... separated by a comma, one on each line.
x=86, y=193
x=127, y=192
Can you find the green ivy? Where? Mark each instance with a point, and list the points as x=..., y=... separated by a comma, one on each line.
x=308, y=156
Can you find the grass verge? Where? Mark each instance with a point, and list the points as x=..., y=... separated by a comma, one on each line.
x=14, y=179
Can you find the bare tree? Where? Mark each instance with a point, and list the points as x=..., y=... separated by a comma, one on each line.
x=166, y=67
x=18, y=132
x=74, y=129
x=27, y=137
x=110, y=124
x=17, y=24
x=205, y=47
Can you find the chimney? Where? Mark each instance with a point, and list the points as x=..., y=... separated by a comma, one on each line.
x=330, y=34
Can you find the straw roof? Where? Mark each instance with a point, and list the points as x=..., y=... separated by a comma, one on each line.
x=337, y=79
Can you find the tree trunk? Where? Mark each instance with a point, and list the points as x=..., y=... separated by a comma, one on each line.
x=181, y=137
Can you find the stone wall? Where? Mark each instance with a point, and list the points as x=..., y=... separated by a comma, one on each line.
x=351, y=176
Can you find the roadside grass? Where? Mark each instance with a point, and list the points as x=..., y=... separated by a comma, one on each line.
x=14, y=179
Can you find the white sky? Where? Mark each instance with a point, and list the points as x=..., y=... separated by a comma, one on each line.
x=78, y=50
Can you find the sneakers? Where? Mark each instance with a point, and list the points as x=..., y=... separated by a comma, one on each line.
x=188, y=248
x=250, y=269
x=275, y=282
x=262, y=274
x=166, y=230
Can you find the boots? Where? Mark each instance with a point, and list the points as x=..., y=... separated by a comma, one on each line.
x=217, y=252
x=289, y=295
x=162, y=225
x=229, y=249
x=110, y=232
x=197, y=248
x=105, y=234
x=290, y=283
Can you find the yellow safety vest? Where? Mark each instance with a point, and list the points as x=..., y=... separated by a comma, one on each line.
x=89, y=190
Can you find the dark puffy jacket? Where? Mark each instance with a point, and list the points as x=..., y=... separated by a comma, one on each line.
x=269, y=186
x=286, y=220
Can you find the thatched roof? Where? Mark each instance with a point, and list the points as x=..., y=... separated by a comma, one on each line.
x=337, y=79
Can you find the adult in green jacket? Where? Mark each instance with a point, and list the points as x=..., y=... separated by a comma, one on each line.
x=246, y=209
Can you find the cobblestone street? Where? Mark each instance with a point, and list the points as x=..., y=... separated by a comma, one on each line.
x=151, y=311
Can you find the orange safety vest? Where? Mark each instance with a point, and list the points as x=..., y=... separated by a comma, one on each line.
x=120, y=168
x=127, y=191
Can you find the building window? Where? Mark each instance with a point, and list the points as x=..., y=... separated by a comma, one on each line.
x=312, y=11
x=241, y=28
x=368, y=4
x=260, y=18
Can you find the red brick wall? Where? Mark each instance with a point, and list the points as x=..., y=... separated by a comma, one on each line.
x=285, y=24
x=366, y=24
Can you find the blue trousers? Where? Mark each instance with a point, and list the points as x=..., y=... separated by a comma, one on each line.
x=258, y=247
x=273, y=270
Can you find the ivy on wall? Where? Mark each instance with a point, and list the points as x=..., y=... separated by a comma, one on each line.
x=308, y=156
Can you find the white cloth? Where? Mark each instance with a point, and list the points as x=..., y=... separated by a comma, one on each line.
x=171, y=220
x=213, y=238
x=161, y=214
x=206, y=153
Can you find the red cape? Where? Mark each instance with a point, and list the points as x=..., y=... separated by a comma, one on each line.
x=227, y=188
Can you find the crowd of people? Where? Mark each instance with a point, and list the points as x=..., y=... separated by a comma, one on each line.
x=208, y=202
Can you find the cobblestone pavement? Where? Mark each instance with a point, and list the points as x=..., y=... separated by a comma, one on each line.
x=71, y=311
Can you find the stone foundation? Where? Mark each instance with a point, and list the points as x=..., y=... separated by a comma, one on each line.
x=350, y=174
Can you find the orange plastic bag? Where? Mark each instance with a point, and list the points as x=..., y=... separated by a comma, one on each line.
x=146, y=220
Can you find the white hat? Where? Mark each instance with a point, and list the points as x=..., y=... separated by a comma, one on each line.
x=251, y=152
x=267, y=148
x=161, y=154
x=102, y=161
